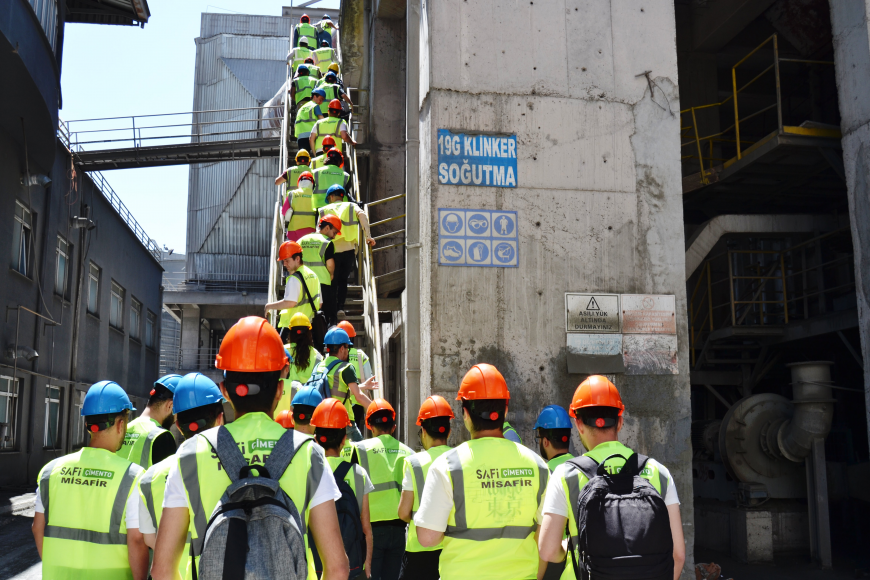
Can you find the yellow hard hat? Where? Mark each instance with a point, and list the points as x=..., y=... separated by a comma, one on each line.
x=302, y=154
x=299, y=319
x=333, y=67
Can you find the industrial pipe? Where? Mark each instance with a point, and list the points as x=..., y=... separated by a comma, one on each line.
x=813, y=410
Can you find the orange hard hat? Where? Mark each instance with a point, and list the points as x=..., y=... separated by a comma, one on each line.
x=348, y=328
x=305, y=18
x=434, y=406
x=329, y=140
x=252, y=345
x=330, y=414
x=335, y=155
x=483, y=381
x=285, y=418
x=288, y=249
x=305, y=175
x=378, y=405
x=335, y=104
x=332, y=220
x=596, y=391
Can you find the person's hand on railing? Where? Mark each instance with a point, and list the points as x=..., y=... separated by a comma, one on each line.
x=370, y=384
x=371, y=242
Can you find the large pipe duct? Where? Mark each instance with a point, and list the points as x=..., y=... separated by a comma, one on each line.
x=813, y=409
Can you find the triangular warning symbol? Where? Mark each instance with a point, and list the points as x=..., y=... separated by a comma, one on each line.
x=593, y=305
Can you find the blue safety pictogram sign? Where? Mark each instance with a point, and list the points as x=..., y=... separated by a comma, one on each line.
x=478, y=237
x=477, y=160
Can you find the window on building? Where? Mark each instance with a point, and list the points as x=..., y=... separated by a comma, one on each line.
x=93, y=289
x=8, y=412
x=61, y=271
x=116, y=311
x=135, y=317
x=21, y=239
x=150, y=329
x=78, y=433
x=51, y=439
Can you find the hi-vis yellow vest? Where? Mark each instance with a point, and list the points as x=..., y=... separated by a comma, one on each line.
x=338, y=388
x=418, y=464
x=302, y=304
x=305, y=119
x=326, y=177
x=141, y=433
x=287, y=393
x=497, y=487
x=328, y=126
x=346, y=212
x=151, y=488
x=293, y=176
x=359, y=360
x=85, y=497
x=299, y=55
x=314, y=256
x=573, y=480
x=304, y=86
x=256, y=433
x=323, y=57
x=383, y=459
x=308, y=31
x=302, y=204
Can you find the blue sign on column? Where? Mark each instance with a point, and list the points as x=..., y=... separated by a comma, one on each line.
x=478, y=160
x=478, y=237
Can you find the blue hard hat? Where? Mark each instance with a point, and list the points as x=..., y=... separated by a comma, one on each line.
x=319, y=92
x=329, y=74
x=168, y=381
x=307, y=396
x=336, y=336
x=301, y=68
x=104, y=398
x=333, y=189
x=195, y=390
x=553, y=417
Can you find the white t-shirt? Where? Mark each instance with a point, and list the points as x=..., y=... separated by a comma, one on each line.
x=175, y=497
x=437, y=500
x=408, y=481
x=293, y=288
x=131, y=518
x=146, y=524
x=556, y=503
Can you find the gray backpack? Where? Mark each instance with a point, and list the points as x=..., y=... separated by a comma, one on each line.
x=255, y=531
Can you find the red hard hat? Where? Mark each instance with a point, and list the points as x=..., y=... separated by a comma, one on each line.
x=348, y=328
x=596, y=391
x=329, y=140
x=305, y=175
x=330, y=414
x=252, y=345
x=378, y=405
x=335, y=104
x=305, y=18
x=332, y=220
x=483, y=381
x=335, y=154
x=285, y=418
x=288, y=249
x=434, y=406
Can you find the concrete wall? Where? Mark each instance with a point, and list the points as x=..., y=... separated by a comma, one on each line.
x=851, y=29
x=598, y=197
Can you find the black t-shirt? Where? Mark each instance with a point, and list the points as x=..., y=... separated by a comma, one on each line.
x=330, y=252
x=162, y=447
x=348, y=375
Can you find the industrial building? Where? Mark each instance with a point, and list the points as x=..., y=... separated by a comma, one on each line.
x=81, y=294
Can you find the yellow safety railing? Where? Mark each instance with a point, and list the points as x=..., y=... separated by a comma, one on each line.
x=699, y=143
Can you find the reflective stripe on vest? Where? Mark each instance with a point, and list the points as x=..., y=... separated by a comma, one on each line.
x=304, y=86
x=324, y=178
x=305, y=119
x=304, y=214
x=299, y=56
x=381, y=467
x=323, y=57
x=141, y=433
x=328, y=126
x=419, y=464
x=359, y=359
x=308, y=31
x=313, y=255
x=309, y=277
x=331, y=90
x=346, y=212
x=293, y=176
x=84, y=496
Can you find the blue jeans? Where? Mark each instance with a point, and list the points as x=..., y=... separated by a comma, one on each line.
x=389, y=549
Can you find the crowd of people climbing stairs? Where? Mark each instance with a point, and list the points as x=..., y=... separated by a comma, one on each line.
x=274, y=477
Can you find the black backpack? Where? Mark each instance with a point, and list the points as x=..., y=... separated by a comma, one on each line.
x=349, y=522
x=623, y=527
x=319, y=325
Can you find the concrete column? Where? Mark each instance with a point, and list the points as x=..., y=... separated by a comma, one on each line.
x=190, y=338
x=849, y=22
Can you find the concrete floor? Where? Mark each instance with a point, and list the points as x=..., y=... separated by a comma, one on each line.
x=19, y=559
x=791, y=567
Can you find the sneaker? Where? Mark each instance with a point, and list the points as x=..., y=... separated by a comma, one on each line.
x=341, y=315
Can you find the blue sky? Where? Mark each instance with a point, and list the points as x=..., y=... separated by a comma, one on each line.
x=113, y=71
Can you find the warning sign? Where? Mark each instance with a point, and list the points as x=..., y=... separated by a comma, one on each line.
x=592, y=313
x=649, y=314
